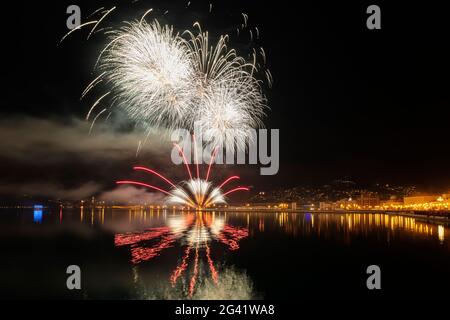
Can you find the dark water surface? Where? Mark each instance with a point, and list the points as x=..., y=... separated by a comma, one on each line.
x=157, y=254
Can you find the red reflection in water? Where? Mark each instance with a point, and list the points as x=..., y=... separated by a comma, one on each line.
x=139, y=254
x=230, y=236
x=214, y=274
x=179, y=269
x=194, y=276
x=133, y=238
x=196, y=230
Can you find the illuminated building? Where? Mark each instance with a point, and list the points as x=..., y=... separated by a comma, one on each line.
x=266, y=205
x=294, y=206
x=346, y=204
x=327, y=206
x=420, y=199
x=368, y=200
x=392, y=202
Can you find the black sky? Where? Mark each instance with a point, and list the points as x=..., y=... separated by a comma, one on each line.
x=369, y=105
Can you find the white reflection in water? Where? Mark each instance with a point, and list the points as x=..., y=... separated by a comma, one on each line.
x=177, y=224
x=441, y=231
x=232, y=285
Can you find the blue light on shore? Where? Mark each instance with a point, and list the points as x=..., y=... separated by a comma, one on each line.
x=37, y=213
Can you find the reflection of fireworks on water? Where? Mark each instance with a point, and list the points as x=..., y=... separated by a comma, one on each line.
x=194, y=232
x=196, y=193
x=162, y=79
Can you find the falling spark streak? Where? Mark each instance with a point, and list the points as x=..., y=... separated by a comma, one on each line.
x=92, y=84
x=93, y=121
x=269, y=78
x=100, y=20
x=93, y=13
x=155, y=173
x=95, y=104
x=77, y=28
x=228, y=180
x=139, y=146
x=144, y=15
x=104, y=30
x=236, y=189
x=254, y=62
x=211, y=162
x=105, y=49
x=143, y=185
x=184, y=159
x=147, y=136
x=245, y=19
x=263, y=54
x=195, y=155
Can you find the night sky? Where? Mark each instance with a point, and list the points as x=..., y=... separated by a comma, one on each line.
x=351, y=103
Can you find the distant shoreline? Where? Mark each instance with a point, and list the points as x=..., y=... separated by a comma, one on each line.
x=423, y=216
x=442, y=217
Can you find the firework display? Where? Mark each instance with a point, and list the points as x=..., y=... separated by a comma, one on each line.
x=166, y=80
x=196, y=193
x=230, y=101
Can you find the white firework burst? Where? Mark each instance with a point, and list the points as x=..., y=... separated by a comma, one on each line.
x=196, y=193
x=150, y=73
x=230, y=102
x=164, y=80
x=225, y=118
